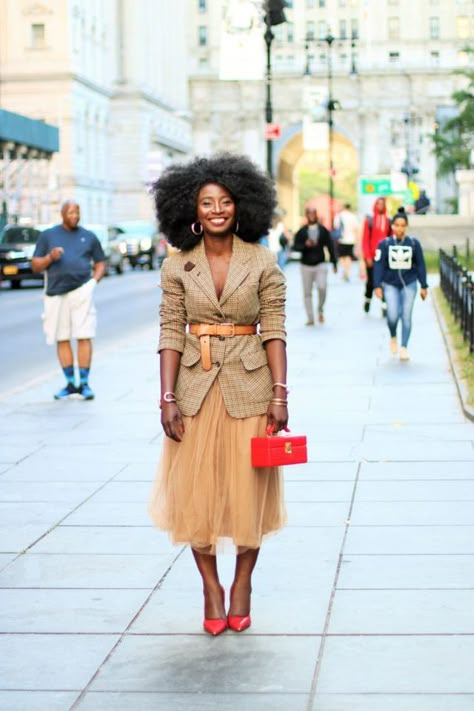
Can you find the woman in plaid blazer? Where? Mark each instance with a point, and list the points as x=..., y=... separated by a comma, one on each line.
x=222, y=371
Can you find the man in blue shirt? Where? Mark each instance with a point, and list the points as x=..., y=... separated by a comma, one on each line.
x=74, y=262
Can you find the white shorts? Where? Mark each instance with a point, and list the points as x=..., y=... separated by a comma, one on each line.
x=71, y=315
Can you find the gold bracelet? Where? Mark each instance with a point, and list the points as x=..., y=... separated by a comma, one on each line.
x=280, y=385
x=279, y=401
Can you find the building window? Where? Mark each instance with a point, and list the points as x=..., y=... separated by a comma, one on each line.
x=310, y=30
x=342, y=29
x=38, y=36
x=289, y=3
x=434, y=59
x=322, y=3
x=355, y=28
x=434, y=27
x=278, y=32
x=394, y=28
x=290, y=32
x=394, y=57
x=202, y=5
x=202, y=36
x=309, y=4
x=462, y=27
x=322, y=29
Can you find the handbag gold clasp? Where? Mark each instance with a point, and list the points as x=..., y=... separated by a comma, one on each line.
x=288, y=448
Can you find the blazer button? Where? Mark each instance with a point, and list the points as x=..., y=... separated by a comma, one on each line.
x=222, y=338
x=218, y=364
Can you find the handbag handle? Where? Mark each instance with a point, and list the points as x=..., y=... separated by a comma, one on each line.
x=271, y=430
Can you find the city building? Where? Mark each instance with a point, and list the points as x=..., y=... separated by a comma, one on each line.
x=390, y=67
x=111, y=75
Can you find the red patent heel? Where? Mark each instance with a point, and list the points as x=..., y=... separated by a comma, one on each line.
x=215, y=626
x=238, y=623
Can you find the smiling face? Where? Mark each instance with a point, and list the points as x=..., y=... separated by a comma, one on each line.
x=215, y=210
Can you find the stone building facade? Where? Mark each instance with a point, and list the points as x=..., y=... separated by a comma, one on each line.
x=397, y=94
x=112, y=76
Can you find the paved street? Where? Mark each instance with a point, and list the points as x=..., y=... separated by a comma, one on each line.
x=363, y=603
x=125, y=303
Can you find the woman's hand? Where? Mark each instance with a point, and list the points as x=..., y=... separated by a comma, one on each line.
x=378, y=292
x=277, y=417
x=172, y=421
x=423, y=293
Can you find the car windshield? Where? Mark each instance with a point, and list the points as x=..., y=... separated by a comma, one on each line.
x=19, y=235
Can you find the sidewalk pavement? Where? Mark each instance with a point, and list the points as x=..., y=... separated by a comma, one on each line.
x=363, y=603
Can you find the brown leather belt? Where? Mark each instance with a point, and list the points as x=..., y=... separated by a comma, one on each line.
x=205, y=330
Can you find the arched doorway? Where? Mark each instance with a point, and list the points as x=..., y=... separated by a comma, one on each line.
x=302, y=177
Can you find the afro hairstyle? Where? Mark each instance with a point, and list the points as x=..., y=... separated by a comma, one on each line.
x=175, y=194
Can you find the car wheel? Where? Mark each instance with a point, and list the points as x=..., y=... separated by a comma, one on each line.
x=15, y=284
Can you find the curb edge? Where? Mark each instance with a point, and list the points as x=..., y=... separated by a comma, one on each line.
x=460, y=386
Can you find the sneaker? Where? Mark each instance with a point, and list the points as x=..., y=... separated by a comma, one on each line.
x=85, y=392
x=404, y=355
x=367, y=306
x=68, y=390
x=393, y=345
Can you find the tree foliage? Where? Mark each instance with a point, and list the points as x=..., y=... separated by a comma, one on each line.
x=454, y=141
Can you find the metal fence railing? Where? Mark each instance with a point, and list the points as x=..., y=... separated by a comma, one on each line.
x=458, y=287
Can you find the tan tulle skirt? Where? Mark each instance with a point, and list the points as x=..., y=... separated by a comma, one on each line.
x=207, y=491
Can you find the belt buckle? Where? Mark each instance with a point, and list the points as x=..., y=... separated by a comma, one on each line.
x=232, y=326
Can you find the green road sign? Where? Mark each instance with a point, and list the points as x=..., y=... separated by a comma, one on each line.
x=380, y=185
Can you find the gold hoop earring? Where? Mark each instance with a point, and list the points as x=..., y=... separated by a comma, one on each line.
x=194, y=230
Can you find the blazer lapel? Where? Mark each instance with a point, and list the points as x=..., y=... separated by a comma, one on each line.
x=239, y=268
x=201, y=274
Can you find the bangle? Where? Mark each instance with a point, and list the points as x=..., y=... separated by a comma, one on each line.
x=279, y=401
x=280, y=385
x=168, y=397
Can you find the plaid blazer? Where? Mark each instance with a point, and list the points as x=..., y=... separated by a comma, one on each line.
x=254, y=293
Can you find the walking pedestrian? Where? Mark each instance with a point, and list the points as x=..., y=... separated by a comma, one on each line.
x=223, y=379
x=348, y=227
x=74, y=262
x=399, y=264
x=311, y=240
x=422, y=203
x=376, y=228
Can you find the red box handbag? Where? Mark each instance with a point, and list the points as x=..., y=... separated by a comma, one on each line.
x=278, y=451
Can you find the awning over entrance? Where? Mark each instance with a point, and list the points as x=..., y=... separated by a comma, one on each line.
x=31, y=133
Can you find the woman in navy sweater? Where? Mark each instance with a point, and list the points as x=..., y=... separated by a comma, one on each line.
x=399, y=263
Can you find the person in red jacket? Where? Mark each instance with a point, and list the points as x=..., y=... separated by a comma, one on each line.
x=376, y=228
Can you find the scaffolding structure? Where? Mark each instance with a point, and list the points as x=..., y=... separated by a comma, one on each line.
x=26, y=149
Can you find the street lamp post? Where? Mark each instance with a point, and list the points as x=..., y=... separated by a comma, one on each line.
x=268, y=81
x=332, y=105
x=274, y=15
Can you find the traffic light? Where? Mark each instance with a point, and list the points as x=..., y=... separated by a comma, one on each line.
x=274, y=12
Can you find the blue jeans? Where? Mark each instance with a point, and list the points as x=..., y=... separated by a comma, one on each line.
x=400, y=302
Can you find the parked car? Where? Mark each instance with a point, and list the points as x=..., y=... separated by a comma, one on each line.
x=140, y=242
x=112, y=246
x=17, y=245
